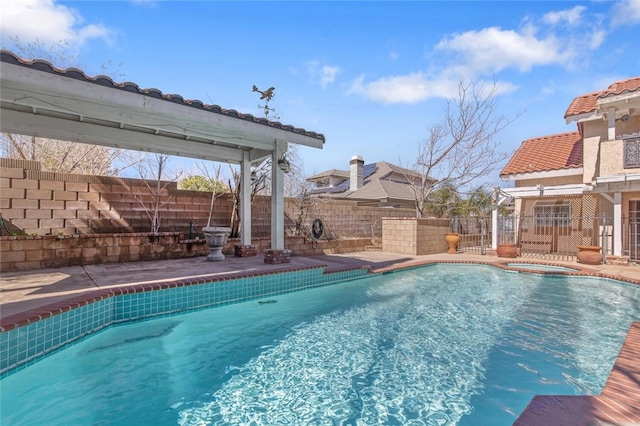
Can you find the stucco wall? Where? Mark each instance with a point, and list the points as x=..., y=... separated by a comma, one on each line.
x=559, y=180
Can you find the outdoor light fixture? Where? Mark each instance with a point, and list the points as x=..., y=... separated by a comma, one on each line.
x=625, y=117
x=253, y=175
x=284, y=164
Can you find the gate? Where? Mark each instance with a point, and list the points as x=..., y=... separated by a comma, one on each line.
x=474, y=232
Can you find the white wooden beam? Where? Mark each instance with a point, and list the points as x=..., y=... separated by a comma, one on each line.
x=74, y=131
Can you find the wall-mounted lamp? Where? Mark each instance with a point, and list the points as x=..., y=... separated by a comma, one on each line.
x=253, y=175
x=625, y=117
x=284, y=164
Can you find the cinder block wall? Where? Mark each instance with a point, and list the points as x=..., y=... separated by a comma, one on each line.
x=53, y=251
x=45, y=203
x=414, y=236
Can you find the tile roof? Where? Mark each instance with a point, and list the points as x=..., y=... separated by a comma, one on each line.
x=42, y=65
x=545, y=153
x=329, y=173
x=375, y=187
x=589, y=102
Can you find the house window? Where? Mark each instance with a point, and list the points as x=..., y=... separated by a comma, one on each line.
x=556, y=214
x=631, y=153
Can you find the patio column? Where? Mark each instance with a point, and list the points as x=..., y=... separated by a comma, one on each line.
x=277, y=197
x=617, y=224
x=245, y=200
x=611, y=125
x=494, y=225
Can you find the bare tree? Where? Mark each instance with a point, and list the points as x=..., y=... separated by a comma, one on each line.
x=67, y=157
x=154, y=173
x=461, y=148
x=260, y=184
x=217, y=186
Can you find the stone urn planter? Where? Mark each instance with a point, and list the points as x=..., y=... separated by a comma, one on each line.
x=507, y=250
x=452, y=239
x=216, y=238
x=589, y=255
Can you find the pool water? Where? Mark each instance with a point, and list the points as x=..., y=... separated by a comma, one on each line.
x=439, y=345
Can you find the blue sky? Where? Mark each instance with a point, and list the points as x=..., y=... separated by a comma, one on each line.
x=370, y=76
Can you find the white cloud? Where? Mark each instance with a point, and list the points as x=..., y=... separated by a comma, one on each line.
x=493, y=49
x=326, y=73
x=626, y=12
x=571, y=17
x=596, y=39
x=562, y=39
x=409, y=88
x=44, y=21
x=415, y=87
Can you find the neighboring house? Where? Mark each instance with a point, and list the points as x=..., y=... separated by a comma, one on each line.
x=378, y=184
x=565, y=184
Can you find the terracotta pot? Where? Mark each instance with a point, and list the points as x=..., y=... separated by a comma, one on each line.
x=589, y=255
x=452, y=239
x=507, y=250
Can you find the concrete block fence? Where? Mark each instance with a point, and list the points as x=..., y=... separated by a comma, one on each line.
x=46, y=203
x=414, y=236
x=56, y=251
x=66, y=219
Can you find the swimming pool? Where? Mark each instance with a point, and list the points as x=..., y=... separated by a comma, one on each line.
x=444, y=344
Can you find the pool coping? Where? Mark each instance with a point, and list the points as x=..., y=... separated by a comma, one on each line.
x=616, y=403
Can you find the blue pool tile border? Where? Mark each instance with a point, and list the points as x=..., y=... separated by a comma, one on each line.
x=33, y=336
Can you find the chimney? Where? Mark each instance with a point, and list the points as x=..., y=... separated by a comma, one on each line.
x=356, y=172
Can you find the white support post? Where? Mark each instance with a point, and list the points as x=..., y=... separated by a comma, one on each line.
x=611, y=133
x=617, y=224
x=494, y=225
x=277, y=197
x=245, y=200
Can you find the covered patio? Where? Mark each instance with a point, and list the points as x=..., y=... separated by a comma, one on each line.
x=38, y=99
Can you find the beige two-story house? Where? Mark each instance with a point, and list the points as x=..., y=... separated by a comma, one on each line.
x=582, y=187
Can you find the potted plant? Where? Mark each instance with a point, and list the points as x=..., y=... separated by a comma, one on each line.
x=507, y=250
x=452, y=239
x=589, y=255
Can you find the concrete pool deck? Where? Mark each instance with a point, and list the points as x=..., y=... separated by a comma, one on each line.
x=26, y=295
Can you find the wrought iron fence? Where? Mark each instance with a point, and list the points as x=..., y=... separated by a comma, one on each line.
x=554, y=236
x=631, y=238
